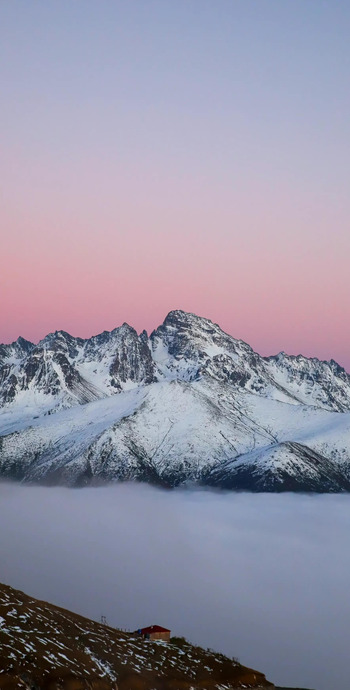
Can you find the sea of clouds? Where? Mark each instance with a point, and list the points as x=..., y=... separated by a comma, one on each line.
x=263, y=577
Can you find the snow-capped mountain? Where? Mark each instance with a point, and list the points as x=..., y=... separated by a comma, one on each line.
x=187, y=404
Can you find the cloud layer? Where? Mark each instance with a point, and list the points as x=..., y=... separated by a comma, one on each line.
x=263, y=578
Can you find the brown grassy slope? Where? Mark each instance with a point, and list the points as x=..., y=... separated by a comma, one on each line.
x=48, y=648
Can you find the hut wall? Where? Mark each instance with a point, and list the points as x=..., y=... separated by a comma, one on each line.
x=160, y=636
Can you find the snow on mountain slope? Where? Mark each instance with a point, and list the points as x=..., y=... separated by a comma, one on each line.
x=179, y=406
x=45, y=368
x=167, y=432
x=188, y=347
x=118, y=361
x=14, y=352
x=30, y=449
x=178, y=432
x=324, y=384
x=74, y=371
x=185, y=347
x=327, y=433
x=286, y=466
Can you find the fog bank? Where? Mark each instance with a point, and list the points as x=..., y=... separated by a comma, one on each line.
x=262, y=577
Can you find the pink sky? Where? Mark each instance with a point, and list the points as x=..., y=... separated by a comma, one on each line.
x=92, y=268
x=213, y=180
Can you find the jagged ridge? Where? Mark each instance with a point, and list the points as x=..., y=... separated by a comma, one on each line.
x=188, y=403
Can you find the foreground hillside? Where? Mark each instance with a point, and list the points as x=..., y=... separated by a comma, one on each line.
x=43, y=647
x=187, y=404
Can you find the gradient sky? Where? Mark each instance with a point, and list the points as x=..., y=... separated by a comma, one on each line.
x=190, y=154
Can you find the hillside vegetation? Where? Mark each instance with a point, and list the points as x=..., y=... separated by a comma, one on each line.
x=43, y=647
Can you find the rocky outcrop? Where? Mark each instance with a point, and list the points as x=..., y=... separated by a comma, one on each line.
x=187, y=404
x=185, y=347
x=280, y=467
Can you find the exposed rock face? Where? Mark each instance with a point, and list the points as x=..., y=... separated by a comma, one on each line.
x=185, y=347
x=187, y=404
x=197, y=347
x=325, y=383
x=44, y=368
x=281, y=467
x=57, y=366
x=132, y=359
x=48, y=648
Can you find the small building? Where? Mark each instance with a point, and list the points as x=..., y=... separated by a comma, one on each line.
x=154, y=632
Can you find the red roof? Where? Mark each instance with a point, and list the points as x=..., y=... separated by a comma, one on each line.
x=153, y=629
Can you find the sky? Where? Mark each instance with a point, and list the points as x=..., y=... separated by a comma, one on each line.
x=263, y=580
x=177, y=155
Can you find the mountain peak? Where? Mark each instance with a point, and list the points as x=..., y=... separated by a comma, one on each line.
x=177, y=315
x=136, y=424
x=57, y=336
x=23, y=343
x=185, y=347
x=126, y=328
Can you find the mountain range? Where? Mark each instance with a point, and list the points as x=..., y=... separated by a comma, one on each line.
x=187, y=405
